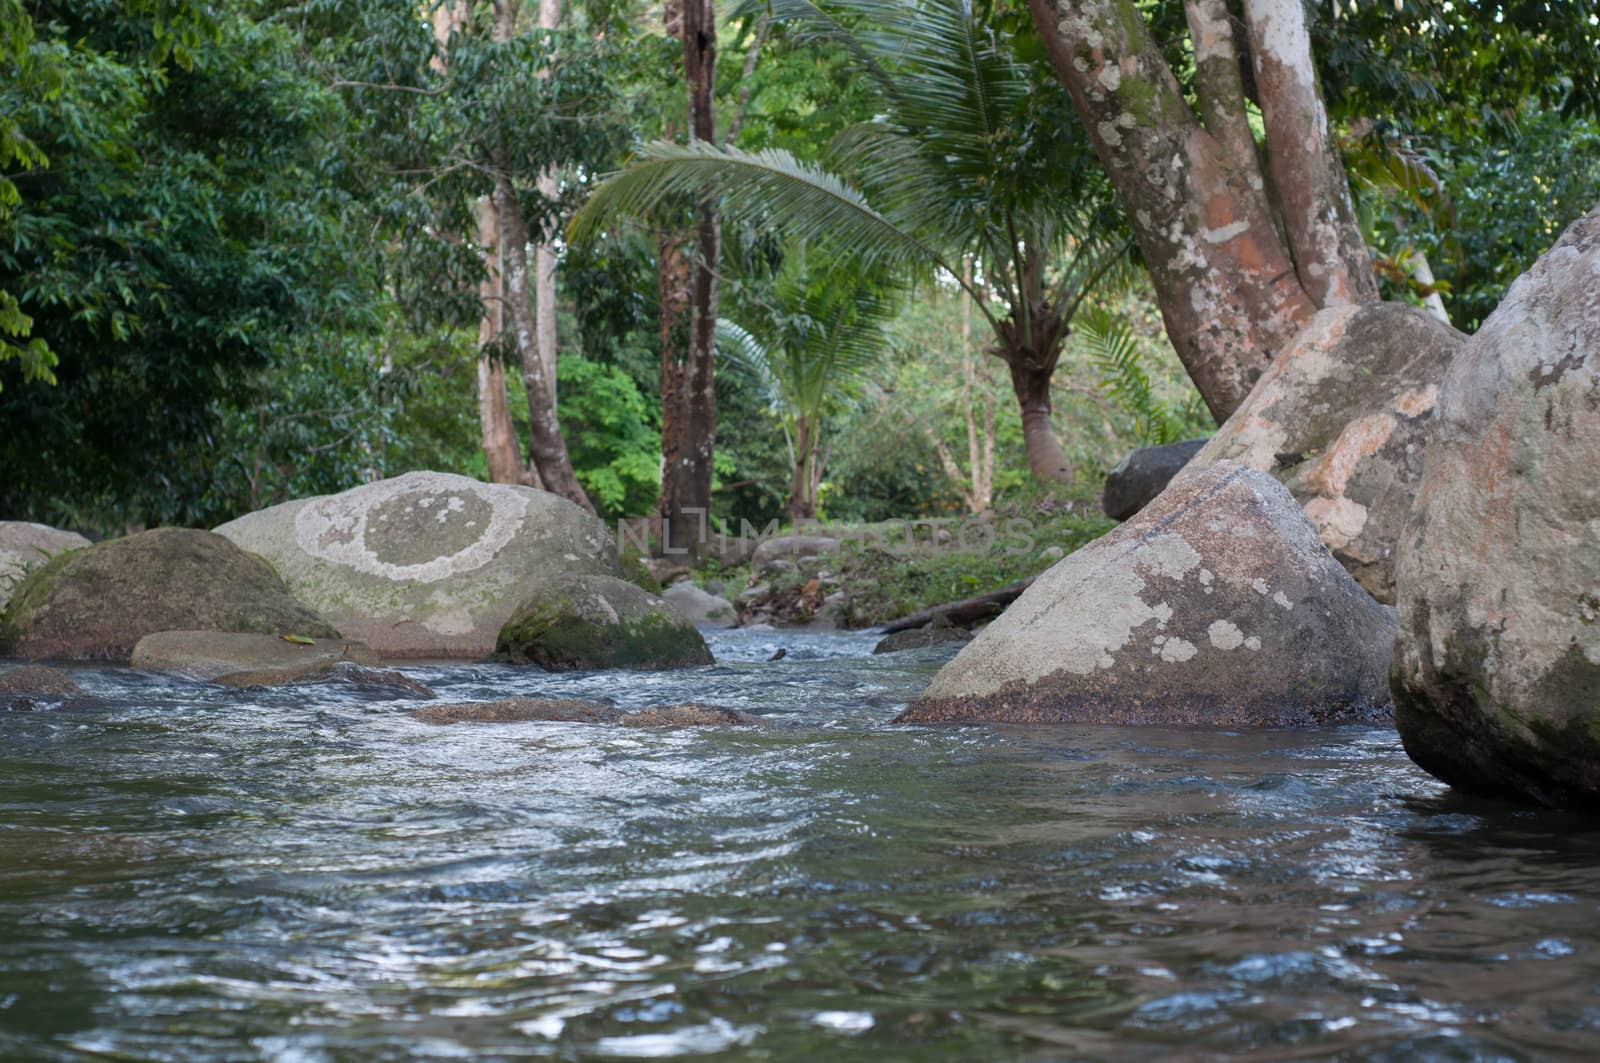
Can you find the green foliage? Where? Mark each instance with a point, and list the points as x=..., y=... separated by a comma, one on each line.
x=606, y=425
x=1118, y=355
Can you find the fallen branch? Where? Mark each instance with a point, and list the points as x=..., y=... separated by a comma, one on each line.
x=964, y=612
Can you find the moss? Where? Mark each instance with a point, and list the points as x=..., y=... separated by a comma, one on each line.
x=555, y=632
x=631, y=563
x=28, y=597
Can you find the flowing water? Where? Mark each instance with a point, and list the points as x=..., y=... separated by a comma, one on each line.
x=307, y=874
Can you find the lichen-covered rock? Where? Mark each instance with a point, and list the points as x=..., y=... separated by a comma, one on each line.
x=427, y=564
x=689, y=714
x=921, y=637
x=1216, y=605
x=1142, y=474
x=519, y=710
x=584, y=622
x=699, y=607
x=98, y=602
x=25, y=546
x=1497, y=663
x=1341, y=418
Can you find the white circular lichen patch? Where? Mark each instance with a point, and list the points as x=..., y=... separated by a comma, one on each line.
x=423, y=527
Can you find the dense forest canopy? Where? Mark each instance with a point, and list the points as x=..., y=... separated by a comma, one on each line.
x=257, y=249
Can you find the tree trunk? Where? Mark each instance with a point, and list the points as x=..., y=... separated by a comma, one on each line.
x=546, y=447
x=1319, y=219
x=499, y=436
x=1226, y=282
x=544, y=254
x=1046, y=461
x=802, y=500
x=687, y=483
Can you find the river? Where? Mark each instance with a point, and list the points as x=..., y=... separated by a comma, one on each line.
x=300, y=875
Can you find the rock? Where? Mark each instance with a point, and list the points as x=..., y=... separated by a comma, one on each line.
x=1497, y=663
x=790, y=548
x=215, y=655
x=98, y=602
x=583, y=622
x=32, y=686
x=666, y=570
x=918, y=637
x=427, y=564
x=1216, y=605
x=689, y=714
x=700, y=608
x=348, y=673
x=519, y=710
x=1341, y=418
x=753, y=593
x=24, y=546
x=1143, y=474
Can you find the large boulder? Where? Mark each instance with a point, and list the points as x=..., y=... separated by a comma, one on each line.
x=427, y=564
x=1341, y=418
x=98, y=602
x=1142, y=475
x=583, y=622
x=700, y=608
x=1217, y=605
x=1497, y=664
x=25, y=546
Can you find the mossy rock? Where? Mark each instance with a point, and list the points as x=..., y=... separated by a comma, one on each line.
x=95, y=604
x=589, y=622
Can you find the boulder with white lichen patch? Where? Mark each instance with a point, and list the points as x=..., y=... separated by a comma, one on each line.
x=1341, y=418
x=1216, y=605
x=425, y=565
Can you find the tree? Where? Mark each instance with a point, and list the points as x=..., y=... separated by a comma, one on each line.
x=968, y=158
x=819, y=337
x=1241, y=250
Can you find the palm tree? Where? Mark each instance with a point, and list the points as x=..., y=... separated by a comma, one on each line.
x=810, y=348
x=975, y=154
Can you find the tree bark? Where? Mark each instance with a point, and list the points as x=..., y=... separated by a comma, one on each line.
x=802, y=501
x=547, y=450
x=544, y=254
x=1319, y=219
x=687, y=481
x=1031, y=384
x=500, y=449
x=1226, y=284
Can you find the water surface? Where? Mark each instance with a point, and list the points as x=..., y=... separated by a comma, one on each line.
x=307, y=874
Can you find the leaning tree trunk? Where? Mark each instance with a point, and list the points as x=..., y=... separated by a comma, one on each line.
x=687, y=482
x=1229, y=287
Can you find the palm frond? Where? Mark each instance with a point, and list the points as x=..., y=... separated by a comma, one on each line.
x=771, y=187
x=1115, y=352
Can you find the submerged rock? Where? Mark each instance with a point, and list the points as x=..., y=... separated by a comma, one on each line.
x=585, y=622
x=25, y=546
x=1142, y=475
x=519, y=710
x=689, y=714
x=1497, y=663
x=918, y=637
x=215, y=655
x=700, y=608
x=1341, y=418
x=1216, y=605
x=427, y=564
x=32, y=686
x=98, y=602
